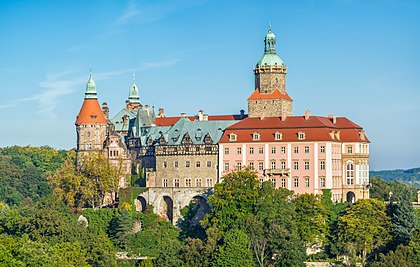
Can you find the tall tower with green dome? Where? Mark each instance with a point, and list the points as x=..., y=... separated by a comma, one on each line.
x=270, y=98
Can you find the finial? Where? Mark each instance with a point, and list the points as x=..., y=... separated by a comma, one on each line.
x=269, y=26
x=90, y=70
x=134, y=77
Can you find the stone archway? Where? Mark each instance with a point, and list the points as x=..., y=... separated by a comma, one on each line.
x=140, y=203
x=166, y=208
x=350, y=197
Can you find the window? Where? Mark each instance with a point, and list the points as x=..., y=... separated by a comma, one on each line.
x=277, y=136
x=274, y=182
x=261, y=180
x=273, y=165
x=209, y=164
x=283, y=150
x=251, y=165
x=306, y=181
x=188, y=182
x=226, y=151
x=88, y=146
x=198, y=182
x=306, y=165
x=256, y=136
x=296, y=182
x=165, y=164
x=165, y=182
x=197, y=149
x=232, y=137
x=322, y=165
x=239, y=150
x=226, y=166
x=322, y=181
x=176, y=164
x=176, y=182
x=198, y=164
x=209, y=182
x=349, y=149
x=283, y=182
x=260, y=165
x=238, y=165
x=350, y=173
x=296, y=165
x=187, y=164
x=296, y=149
x=261, y=150
x=251, y=150
x=283, y=164
x=301, y=135
x=273, y=150
x=306, y=149
x=322, y=149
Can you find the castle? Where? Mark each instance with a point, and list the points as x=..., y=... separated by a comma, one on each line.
x=183, y=157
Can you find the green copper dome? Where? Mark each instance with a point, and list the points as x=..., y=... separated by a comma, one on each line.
x=270, y=56
x=133, y=95
x=91, y=89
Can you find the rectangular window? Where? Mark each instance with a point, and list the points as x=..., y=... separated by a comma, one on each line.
x=165, y=164
x=283, y=165
x=188, y=182
x=322, y=165
x=261, y=180
x=273, y=165
x=273, y=150
x=198, y=182
x=209, y=164
x=165, y=182
x=306, y=181
x=306, y=149
x=349, y=149
x=238, y=166
x=322, y=149
x=226, y=166
x=176, y=182
x=283, y=182
x=323, y=181
x=209, y=182
x=251, y=165
x=260, y=165
x=274, y=182
x=296, y=182
x=176, y=164
x=283, y=150
x=251, y=150
x=261, y=150
x=296, y=149
x=239, y=150
x=197, y=164
x=187, y=164
x=226, y=151
x=296, y=165
x=306, y=165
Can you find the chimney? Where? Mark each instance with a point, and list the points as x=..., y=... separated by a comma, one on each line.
x=146, y=107
x=242, y=114
x=307, y=114
x=161, y=113
x=283, y=116
x=200, y=115
x=128, y=104
x=125, y=119
x=183, y=115
x=332, y=118
x=105, y=110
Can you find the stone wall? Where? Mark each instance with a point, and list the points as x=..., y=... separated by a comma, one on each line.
x=90, y=137
x=269, y=108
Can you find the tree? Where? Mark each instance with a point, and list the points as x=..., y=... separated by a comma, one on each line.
x=403, y=256
x=363, y=228
x=122, y=234
x=403, y=220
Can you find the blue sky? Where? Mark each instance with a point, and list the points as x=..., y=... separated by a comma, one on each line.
x=353, y=58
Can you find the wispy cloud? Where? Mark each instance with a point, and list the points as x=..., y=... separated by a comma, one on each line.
x=131, y=11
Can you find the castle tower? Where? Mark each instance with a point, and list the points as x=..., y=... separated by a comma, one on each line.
x=91, y=124
x=270, y=98
x=133, y=95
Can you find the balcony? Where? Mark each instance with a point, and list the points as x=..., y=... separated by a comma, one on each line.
x=280, y=172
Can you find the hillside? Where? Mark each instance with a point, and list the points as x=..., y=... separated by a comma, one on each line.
x=410, y=176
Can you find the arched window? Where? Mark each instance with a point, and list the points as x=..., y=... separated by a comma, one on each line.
x=350, y=173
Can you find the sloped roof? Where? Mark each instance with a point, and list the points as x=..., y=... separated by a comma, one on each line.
x=167, y=121
x=118, y=120
x=90, y=113
x=275, y=94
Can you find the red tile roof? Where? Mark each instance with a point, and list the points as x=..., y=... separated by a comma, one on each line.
x=316, y=128
x=90, y=113
x=276, y=94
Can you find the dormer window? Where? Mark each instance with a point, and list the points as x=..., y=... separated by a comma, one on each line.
x=233, y=137
x=278, y=136
x=301, y=136
x=256, y=136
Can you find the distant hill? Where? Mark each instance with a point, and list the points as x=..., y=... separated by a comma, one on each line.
x=410, y=176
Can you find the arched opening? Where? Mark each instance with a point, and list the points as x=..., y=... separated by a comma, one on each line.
x=166, y=208
x=140, y=203
x=351, y=197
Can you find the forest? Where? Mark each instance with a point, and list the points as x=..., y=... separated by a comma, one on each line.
x=52, y=213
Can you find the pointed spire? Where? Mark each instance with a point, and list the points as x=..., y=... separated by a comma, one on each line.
x=270, y=56
x=133, y=95
x=91, y=87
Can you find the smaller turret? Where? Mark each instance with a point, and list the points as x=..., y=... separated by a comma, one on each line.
x=133, y=95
